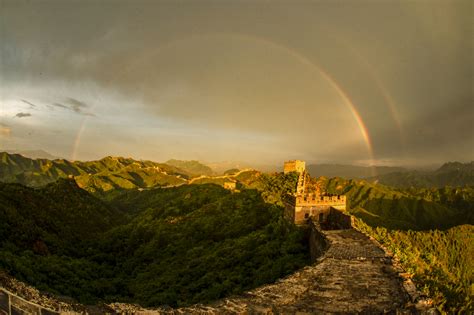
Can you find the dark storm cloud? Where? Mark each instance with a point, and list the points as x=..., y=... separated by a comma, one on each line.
x=246, y=66
x=60, y=105
x=21, y=115
x=29, y=103
x=74, y=105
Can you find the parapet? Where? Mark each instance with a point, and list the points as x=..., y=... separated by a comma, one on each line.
x=315, y=200
x=320, y=199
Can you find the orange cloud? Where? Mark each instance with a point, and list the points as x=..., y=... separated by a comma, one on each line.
x=5, y=131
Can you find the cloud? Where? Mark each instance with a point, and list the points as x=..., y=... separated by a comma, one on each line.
x=21, y=115
x=60, y=105
x=29, y=103
x=226, y=67
x=5, y=130
x=75, y=106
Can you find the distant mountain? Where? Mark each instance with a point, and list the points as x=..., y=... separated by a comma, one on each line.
x=34, y=154
x=95, y=176
x=416, y=209
x=221, y=167
x=450, y=174
x=112, y=173
x=456, y=167
x=350, y=171
x=192, y=167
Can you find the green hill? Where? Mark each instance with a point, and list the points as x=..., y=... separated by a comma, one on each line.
x=430, y=230
x=193, y=167
x=56, y=218
x=34, y=154
x=350, y=171
x=199, y=242
x=453, y=174
x=96, y=176
x=440, y=262
x=380, y=205
x=164, y=246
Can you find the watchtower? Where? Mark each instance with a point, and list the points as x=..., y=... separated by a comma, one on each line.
x=328, y=210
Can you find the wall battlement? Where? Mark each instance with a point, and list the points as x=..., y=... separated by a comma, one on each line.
x=318, y=199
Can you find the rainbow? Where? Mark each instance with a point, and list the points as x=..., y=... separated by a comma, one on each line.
x=295, y=54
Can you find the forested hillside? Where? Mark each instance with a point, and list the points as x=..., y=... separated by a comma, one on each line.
x=193, y=167
x=96, y=176
x=416, y=209
x=441, y=262
x=350, y=171
x=430, y=230
x=202, y=242
x=58, y=218
x=452, y=174
x=165, y=246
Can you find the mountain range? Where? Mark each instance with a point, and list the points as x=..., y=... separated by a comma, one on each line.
x=163, y=246
x=152, y=233
x=449, y=174
x=350, y=171
x=110, y=173
x=98, y=176
x=452, y=174
x=34, y=154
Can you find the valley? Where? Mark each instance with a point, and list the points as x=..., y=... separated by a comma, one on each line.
x=124, y=231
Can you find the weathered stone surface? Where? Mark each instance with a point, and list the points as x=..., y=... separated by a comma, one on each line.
x=354, y=276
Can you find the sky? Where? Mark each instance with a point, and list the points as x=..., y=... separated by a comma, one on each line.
x=361, y=82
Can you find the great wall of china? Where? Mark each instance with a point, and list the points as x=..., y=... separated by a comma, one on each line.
x=350, y=274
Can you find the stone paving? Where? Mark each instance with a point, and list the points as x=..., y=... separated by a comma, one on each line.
x=353, y=276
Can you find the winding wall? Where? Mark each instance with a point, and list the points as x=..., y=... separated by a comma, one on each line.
x=350, y=274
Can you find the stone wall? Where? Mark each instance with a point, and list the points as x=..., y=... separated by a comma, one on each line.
x=318, y=243
x=338, y=220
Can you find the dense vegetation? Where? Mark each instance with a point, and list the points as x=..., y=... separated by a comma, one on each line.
x=380, y=205
x=60, y=218
x=96, y=176
x=199, y=242
x=350, y=171
x=430, y=230
x=192, y=167
x=441, y=262
x=175, y=246
x=453, y=174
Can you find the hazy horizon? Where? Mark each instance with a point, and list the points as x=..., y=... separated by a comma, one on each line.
x=388, y=83
x=224, y=165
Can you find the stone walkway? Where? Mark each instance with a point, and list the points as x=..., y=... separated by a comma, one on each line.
x=353, y=276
